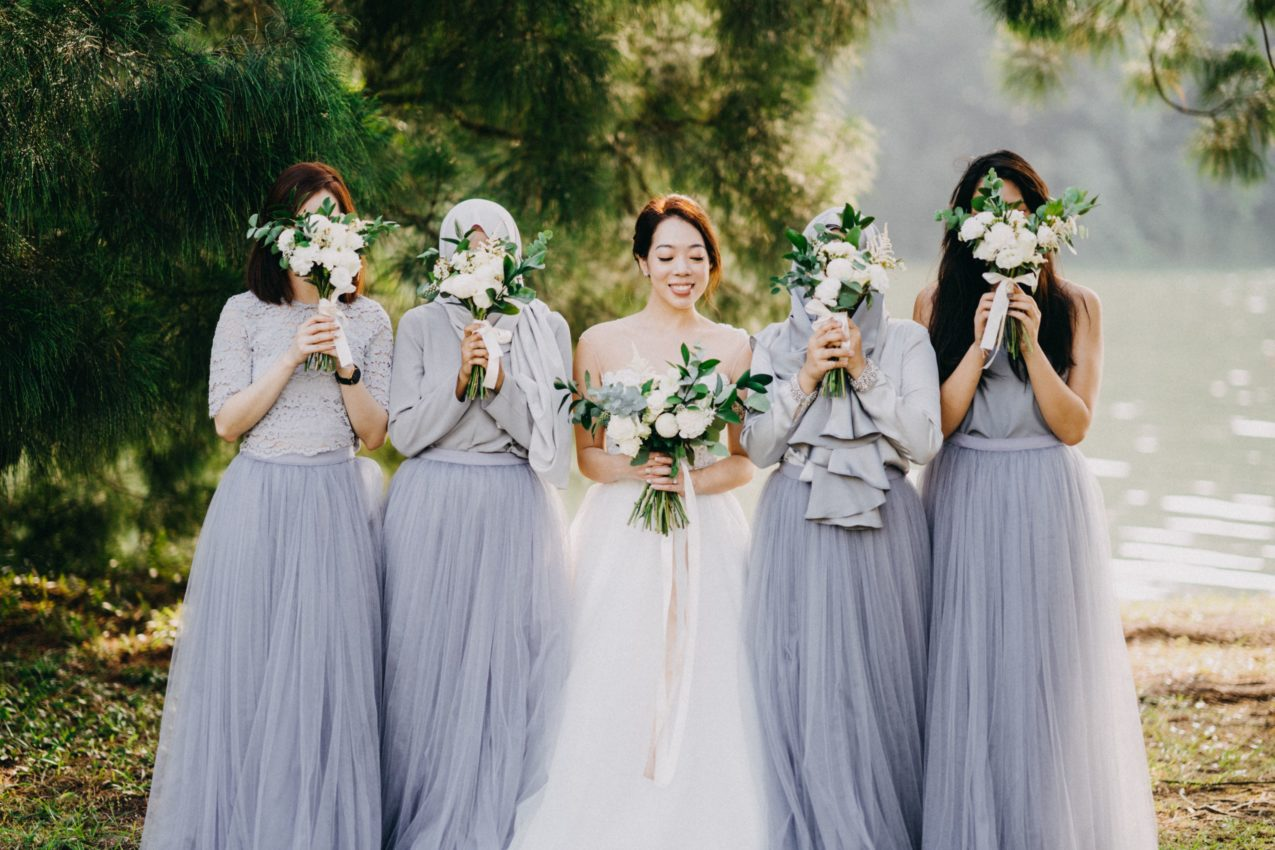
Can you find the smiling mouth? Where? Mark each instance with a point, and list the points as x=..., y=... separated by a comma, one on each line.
x=682, y=288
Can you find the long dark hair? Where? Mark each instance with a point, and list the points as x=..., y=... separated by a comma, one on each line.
x=296, y=185
x=961, y=284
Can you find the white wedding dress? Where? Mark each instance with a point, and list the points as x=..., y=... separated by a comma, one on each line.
x=659, y=748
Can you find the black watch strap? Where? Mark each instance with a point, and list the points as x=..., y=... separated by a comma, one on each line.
x=350, y=381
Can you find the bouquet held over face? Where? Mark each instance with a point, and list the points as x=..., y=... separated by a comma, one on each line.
x=1014, y=244
x=486, y=277
x=834, y=272
x=672, y=413
x=326, y=249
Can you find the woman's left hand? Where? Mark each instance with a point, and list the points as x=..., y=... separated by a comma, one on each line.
x=658, y=478
x=1024, y=308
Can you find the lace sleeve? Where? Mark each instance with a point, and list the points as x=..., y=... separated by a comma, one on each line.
x=378, y=356
x=230, y=368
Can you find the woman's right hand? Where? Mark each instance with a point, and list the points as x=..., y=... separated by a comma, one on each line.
x=656, y=472
x=317, y=335
x=980, y=315
x=473, y=352
x=825, y=351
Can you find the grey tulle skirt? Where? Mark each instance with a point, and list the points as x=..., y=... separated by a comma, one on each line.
x=1033, y=734
x=836, y=627
x=269, y=734
x=475, y=647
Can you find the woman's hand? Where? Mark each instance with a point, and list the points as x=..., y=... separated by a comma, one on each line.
x=1024, y=308
x=655, y=472
x=980, y=315
x=825, y=351
x=316, y=335
x=856, y=362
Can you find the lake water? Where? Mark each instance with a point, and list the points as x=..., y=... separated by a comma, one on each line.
x=1184, y=443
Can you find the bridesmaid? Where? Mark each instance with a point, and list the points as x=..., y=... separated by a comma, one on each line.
x=1033, y=734
x=475, y=585
x=269, y=735
x=838, y=595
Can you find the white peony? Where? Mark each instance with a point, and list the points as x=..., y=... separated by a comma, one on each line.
x=986, y=218
x=998, y=236
x=838, y=248
x=827, y=291
x=303, y=259
x=622, y=428
x=460, y=285
x=341, y=279
x=287, y=239
x=972, y=229
x=984, y=251
x=666, y=425
x=692, y=422
x=1026, y=241
x=840, y=269
x=353, y=241
x=492, y=273
x=1010, y=257
x=630, y=447
x=1046, y=238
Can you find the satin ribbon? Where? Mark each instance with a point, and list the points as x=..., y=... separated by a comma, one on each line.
x=332, y=309
x=820, y=313
x=493, y=338
x=994, y=332
x=681, y=624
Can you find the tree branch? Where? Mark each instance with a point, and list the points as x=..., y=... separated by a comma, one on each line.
x=1266, y=36
x=1159, y=85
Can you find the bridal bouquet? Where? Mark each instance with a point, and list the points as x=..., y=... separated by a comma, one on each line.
x=1015, y=244
x=326, y=249
x=487, y=278
x=836, y=271
x=673, y=413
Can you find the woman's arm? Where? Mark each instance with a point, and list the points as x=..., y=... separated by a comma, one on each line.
x=235, y=415
x=907, y=408
x=1067, y=406
x=423, y=403
x=367, y=402
x=736, y=470
x=957, y=393
x=595, y=462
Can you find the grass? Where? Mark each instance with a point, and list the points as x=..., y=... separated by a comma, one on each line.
x=82, y=682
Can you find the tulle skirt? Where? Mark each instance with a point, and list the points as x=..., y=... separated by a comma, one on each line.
x=269, y=734
x=837, y=621
x=475, y=647
x=599, y=796
x=1033, y=737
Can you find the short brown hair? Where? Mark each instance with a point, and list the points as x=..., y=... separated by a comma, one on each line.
x=296, y=185
x=689, y=210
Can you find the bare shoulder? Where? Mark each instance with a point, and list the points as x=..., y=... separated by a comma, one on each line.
x=1088, y=306
x=923, y=308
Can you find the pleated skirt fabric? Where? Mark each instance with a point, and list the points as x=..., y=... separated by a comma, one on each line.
x=476, y=628
x=837, y=623
x=269, y=736
x=1033, y=733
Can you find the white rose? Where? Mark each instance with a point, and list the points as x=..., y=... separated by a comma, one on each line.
x=622, y=428
x=972, y=229
x=1010, y=257
x=493, y=273
x=666, y=425
x=1046, y=238
x=286, y=240
x=1026, y=241
x=656, y=401
x=330, y=258
x=840, y=269
x=999, y=235
x=985, y=218
x=303, y=259
x=341, y=279
x=838, y=248
x=984, y=251
x=827, y=291
x=1017, y=217
x=692, y=422
x=630, y=448
x=878, y=278
x=354, y=241
x=460, y=285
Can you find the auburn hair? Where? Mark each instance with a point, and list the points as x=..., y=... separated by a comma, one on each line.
x=296, y=185
x=961, y=283
x=689, y=210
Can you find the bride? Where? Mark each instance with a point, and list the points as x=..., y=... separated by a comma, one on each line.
x=659, y=747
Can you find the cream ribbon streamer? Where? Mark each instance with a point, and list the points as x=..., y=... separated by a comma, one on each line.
x=493, y=338
x=820, y=312
x=994, y=332
x=330, y=308
x=681, y=623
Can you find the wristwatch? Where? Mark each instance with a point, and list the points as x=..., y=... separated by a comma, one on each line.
x=350, y=381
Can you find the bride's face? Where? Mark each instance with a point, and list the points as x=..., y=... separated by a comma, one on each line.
x=677, y=263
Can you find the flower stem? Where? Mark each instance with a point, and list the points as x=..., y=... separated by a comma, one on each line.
x=834, y=383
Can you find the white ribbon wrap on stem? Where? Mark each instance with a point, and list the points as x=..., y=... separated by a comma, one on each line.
x=821, y=313
x=493, y=339
x=332, y=309
x=994, y=331
x=680, y=611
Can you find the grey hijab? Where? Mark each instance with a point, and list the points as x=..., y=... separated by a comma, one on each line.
x=534, y=358
x=844, y=464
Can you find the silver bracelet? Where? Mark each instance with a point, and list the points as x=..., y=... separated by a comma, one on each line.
x=801, y=397
x=868, y=378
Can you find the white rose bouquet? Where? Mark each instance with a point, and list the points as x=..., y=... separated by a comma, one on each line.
x=487, y=278
x=672, y=413
x=1015, y=244
x=836, y=271
x=326, y=249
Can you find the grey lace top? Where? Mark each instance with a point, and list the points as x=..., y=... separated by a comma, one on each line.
x=308, y=417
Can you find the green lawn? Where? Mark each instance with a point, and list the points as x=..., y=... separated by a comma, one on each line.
x=81, y=690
